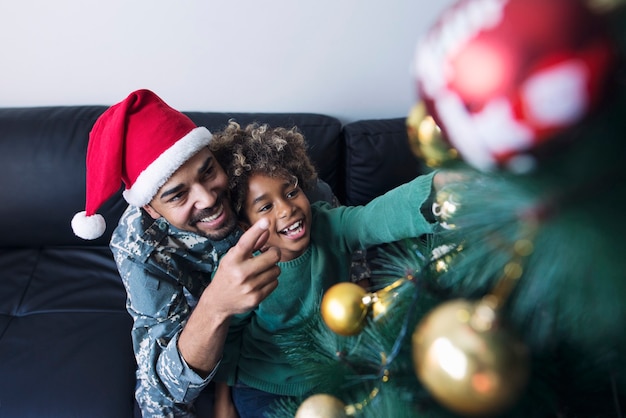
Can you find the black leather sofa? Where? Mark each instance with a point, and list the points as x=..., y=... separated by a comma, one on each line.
x=65, y=348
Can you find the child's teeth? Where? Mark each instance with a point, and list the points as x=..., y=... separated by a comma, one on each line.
x=293, y=227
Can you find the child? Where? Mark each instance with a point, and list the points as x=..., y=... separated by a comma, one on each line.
x=269, y=171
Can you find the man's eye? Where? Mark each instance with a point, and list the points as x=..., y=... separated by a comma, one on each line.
x=176, y=198
x=207, y=173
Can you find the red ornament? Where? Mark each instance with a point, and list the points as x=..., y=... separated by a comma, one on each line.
x=500, y=77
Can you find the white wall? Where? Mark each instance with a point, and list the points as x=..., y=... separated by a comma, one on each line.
x=346, y=58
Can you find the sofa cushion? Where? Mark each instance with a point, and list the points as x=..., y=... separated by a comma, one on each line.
x=42, y=152
x=377, y=159
x=65, y=345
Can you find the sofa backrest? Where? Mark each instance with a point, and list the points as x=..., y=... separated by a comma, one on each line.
x=377, y=158
x=42, y=165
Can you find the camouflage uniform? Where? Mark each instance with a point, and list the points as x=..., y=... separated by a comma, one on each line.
x=164, y=270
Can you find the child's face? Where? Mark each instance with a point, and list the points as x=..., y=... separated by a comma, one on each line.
x=287, y=209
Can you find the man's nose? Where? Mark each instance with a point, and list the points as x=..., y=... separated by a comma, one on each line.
x=203, y=198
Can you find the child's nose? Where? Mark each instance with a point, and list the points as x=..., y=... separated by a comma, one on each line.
x=285, y=210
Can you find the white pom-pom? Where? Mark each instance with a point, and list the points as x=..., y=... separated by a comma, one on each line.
x=88, y=227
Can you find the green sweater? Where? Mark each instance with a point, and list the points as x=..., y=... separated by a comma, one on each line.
x=252, y=354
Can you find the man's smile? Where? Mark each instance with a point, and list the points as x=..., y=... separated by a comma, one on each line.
x=209, y=215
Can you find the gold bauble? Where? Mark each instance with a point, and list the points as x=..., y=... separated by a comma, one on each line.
x=321, y=406
x=445, y=206
x=442, y=257
x=344, y=308
x=385, y=299
x=467, y=360
x=426, y=139
x=603, y=6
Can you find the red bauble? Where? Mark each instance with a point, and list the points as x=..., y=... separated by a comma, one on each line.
x=501, y=77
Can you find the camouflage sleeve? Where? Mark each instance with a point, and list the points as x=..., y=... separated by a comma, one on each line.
x=359, y=267
x=166, y=385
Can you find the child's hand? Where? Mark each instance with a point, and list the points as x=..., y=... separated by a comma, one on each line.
x=224, y=406
x=444, y=177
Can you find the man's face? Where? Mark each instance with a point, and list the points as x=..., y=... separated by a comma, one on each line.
x=195, y=198
x=286, y=207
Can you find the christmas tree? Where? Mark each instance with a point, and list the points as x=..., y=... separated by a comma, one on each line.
x=516, y=305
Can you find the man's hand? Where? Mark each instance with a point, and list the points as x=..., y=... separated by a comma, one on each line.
x=240, y=283
x=242, y=280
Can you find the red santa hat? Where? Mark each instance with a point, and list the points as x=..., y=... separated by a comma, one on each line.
x=139, y=142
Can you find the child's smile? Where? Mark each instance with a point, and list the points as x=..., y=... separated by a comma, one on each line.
x=294, y=231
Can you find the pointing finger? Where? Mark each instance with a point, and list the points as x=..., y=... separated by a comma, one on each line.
x=254, y=238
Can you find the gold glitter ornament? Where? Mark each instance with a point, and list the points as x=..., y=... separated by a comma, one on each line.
x=321, y=405
x=445, y=206
x=467, y=360
x=384, y=299
x=345, y=307
x=426, y=139
x=443, y=256
x=603, y=6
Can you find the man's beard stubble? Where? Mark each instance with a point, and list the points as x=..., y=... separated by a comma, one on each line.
x=226, y=229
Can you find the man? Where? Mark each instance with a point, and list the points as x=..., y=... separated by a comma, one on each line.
x=167, y=246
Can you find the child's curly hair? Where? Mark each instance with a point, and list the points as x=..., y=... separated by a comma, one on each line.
x=275, y=152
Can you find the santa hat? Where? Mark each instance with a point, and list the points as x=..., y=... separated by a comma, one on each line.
x=140, y=142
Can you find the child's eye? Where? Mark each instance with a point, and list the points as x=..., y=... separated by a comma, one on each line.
x=292, y=194
x=265, y=208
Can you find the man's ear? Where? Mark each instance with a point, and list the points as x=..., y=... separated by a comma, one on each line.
x=153, y=213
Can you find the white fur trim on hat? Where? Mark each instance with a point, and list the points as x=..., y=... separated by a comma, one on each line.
x=160, y=170
x=88, y=227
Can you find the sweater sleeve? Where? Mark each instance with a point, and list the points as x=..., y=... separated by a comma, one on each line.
x=391, y=217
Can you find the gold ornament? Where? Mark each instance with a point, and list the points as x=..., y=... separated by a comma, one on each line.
x=445, y=206
x=426, y=139
x=467, y=360
x=384, y=299
x=604, y=6
x=321, y=406
x=344, y=308
x=443, y=256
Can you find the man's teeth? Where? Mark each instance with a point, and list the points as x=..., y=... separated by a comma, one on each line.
x=214, y=216
x=292, y=228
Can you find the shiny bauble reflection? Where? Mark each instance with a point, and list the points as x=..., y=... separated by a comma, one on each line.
x=344, y=308
x=321, y=406
x=426, y=139
x=467, y=360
